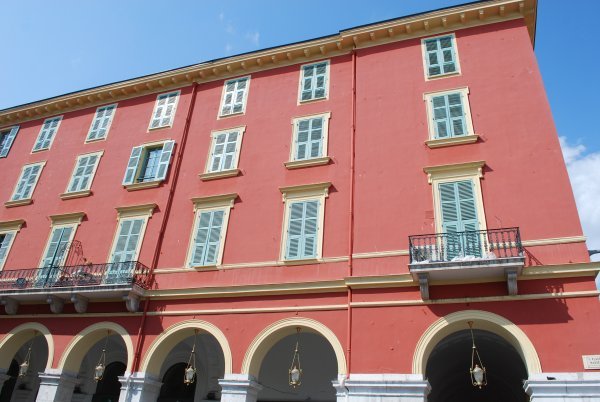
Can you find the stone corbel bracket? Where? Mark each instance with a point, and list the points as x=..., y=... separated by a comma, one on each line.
x=10, y=305
x=56, y=304
x=80, y=303
x=132, y=302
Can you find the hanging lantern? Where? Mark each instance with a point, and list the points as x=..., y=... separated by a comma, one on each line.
x=477, y=370
x=101, y=365
x=24, y=367
x=295, y=371
x=189, y=375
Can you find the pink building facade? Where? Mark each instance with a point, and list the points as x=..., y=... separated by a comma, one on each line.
x=371, y=204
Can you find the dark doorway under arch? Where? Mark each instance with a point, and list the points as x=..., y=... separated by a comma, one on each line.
x=173, y=388
x=448, y=369
x=109, y=388
x=9, y=384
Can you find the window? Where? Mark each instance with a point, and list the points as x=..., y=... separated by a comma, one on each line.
x=8, y=231
x=449, y=118
x=61, y=237
x=83, y=174
x=7, y=136
x=303, y=221
x=235, y=93
x=148, y=165
x=164, y=110
x=26, y=184
x=309, y=145
x=314, y=81
x=440, y=56
x=130, y=232
x=210, y=226
x=47, y=134
x=101, y=123
x=224, y=154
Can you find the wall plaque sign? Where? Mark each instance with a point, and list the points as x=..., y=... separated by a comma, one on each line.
x=591, y=362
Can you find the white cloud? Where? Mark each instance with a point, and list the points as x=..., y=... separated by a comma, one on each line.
x=584, y=172
x=221, y=16
x=253, y=37
x=228, y=48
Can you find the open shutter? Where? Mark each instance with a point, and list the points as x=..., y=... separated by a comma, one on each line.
x=132, y=165
x=7, y=141
x=6, y=238
x=165, y=158
x=295, y=236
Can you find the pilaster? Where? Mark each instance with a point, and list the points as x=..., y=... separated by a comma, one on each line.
x=386, y=387
x=55, y=386
x=563, y=387
x=139, y=387
x=239, y=388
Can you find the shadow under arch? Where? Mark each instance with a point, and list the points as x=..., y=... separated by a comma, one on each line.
x=483, y=320
x=18, y=336
x=275, y=332
x=168, y=339
x=82, y=342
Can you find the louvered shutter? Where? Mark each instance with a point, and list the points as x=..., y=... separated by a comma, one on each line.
x=164, y=110
x=207, y=238
x=101, y=122
x=83, y=173
x=448, y=115
x=456, y=114
x=320, y=80
x=165, y=159
x=28, y=179
x=5, y=240
x=311, y=211
x=468, y=218
x=169, y=110
x=234, y=96
x=459, y=214
x=7, y=141
x=440, y=116
x=433, y=64
x=302, y=230
x=224, y=151
x=314, y=81
x=309, y=138
x=46, y=133
x=440, y=56
x=228, y=98
x=240, y=92
x=132, y=165
x=447, y=54
x=57, y=249
x=127, y=240
x=295, y=236
x=308, y=73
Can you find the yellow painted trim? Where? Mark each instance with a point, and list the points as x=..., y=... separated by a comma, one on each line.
x=136, y=210
x=387, y=281
x=75, y=194
x=219, y=175
x=65, y=219
x=142, y=185
x=244, y=102
x=233, y=171
x=66, y=194
x=424, y=57
x=307, y=162
x=70, y=315
x=81, y=343
x=14, y=225
x=330, y=307
x=305, y=190
x=482, y=320
x=554, y=240
x=169, y=338
x=451, y=141
x=327, y=81
x=381, y=254
x=455, y=170
x=19, y=336
x=221, y=200
x=293, y=162
x=18, y=203
x=87, y=140
x=272, y=334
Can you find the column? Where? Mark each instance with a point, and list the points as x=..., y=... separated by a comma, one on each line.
x=563, y=387
x=239, y=388
x=56, y=386
x=386, y=387
x=139, y=387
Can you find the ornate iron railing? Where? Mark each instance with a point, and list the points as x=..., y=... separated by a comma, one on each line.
x=488, y=244
x=117, y=273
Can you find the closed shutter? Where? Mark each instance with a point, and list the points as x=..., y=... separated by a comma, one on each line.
x=440, y=56
x=164, y=110
x=47, y=133
x=57, y=249
x=234, y=96
x=27, y=181
x=5, y=240
x=314, y=81
x=165, y=159
x=7, y=138
x=207, y=238
x=83, y=172
x=132, y=165
x=127, y=240
x=459, y=215
x=448, y=115
x=302, y=229
x=309, y=138
x=224, y=151
x=101, y=122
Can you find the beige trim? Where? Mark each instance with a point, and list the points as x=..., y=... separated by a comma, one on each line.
x=330, y=307
x=307, y=163
x=386, y=281
x=80, y=345
x=75, y=194
x=305, y=190
x=221, y=200
x=381, y=254
x=451, y=141
x=219, y=175
x=482, y=320
x=244, y=102
x=135, y=210
x=178, y=91
x=60, y=117
x=25, y=201
x=169, y=338
x=554, y=240
x=19, y=336
x=18, y=203
x=454, y=171
x=9, y=226
x=87, y=140
x=92, y=174
x=69, y=315
x=327, y=79
x=424, y=57
x=233, y=171
x=142, y=185
x=561, y=270
x=272, y=334
x=66, y=219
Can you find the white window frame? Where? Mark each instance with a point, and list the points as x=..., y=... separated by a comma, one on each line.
x=60, y=119
x=86, y=191
x=220, y=114
x=469, y=137
x=233, y=170
x=294, y=163
x=307, y=192
x=223, y=202
x=327, y=80
x=24, y=201
x=424, y=57
x=143, y=212
x=151, y=183
x=452, y=173
x=10, y=131
x=172, y=121
x=87, y=138
x=9, y=227
x=72, y=220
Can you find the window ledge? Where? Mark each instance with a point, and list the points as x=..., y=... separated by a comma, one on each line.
x=302, y=102
x=219, y=175
x=224, y=116
x=324, y=160
x=160, y=128
x=303, y=261
x=95, y=140
x=448, y=142
x=76, y=194
x=435, y=77
x=199, y=268
x=35, y=151
x=18, y=203
x=142, y=185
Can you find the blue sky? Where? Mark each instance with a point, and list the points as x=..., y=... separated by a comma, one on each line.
x=54, y=47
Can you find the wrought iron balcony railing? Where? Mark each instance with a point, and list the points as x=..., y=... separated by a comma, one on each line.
x=109, y=274
x=491, y=244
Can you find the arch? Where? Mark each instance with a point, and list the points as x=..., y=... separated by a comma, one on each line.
x=278, y=330
x=82, y=342
x=168, y=339
x=20, y=335
x=483, y=320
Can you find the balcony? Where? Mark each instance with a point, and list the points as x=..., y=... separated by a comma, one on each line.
x=75, y=283
x=494, y=254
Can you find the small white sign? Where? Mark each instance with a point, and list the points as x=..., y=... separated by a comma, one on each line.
x=591, y=362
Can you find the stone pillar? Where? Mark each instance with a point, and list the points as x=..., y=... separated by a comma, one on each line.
x=563, y=387
x=139, y=387
x=239, y=388
x=55, y=386
x=386, y=387
x=341, y=392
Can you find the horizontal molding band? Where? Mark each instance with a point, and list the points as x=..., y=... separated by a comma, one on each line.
x=251, y=310
x=554, y=240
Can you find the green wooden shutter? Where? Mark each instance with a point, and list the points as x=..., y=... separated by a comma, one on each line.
x=132, y=165
x=5, y=240
x=165, y=159
x=234, y=96
x=308, y=73
x=127, y=240
x=440, y=56
x=7, y=141
x=26, y=182
x=440, y=116
x=224, y=151
x=83, y=172
x=314, y=81
x=302, y=230
x=207, y=238
x=101, y=122
x=459, y=215
x=309, y=138
x=57, y=249
x=448, y=115
x=47, y=132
